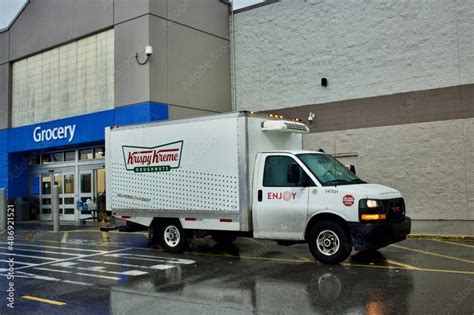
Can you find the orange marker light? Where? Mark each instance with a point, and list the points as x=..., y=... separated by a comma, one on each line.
x=373, y=217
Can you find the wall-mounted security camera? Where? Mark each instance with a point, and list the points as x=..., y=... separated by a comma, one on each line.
x=311, y=117
x=148, y=53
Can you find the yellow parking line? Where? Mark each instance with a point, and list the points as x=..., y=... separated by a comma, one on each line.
x=38, y=299
x=454, y=243
x=406, y=266
x=65, y=236
x=433, y=254
x=105, y=237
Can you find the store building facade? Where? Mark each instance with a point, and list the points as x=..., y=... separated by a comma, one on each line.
x=391, y=85
x=69, y=69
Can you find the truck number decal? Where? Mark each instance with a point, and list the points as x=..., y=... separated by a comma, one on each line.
x=287, y=196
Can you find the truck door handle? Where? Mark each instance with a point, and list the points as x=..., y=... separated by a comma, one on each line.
x=260, y=194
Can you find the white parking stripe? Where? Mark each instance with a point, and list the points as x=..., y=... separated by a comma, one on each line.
x=43, y=251
x=73, y=258
x=97, y=276
x=30, y=256
x=27, y=275
x=152, y=258
x=100, y=269
x=59, y=247
x=53, y=270
x=156, y=267
x=17, y=262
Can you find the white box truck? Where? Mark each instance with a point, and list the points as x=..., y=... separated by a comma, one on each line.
x=239, y=174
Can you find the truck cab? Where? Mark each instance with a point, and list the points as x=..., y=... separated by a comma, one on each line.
x=307, y=196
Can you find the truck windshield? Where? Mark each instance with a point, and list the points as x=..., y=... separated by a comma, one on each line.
x=328, y=170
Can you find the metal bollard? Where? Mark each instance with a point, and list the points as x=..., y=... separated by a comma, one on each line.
x=3, y=209
x=55, y=208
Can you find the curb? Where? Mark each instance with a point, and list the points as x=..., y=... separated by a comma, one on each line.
x=440, y=237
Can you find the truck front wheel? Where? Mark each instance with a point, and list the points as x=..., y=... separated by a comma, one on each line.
x=172, y=237
x=329, y=243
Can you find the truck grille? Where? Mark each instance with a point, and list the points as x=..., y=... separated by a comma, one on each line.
x=395, y=209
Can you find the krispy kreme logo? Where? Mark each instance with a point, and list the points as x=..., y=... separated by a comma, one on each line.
x=161, y=158
x=348, y=200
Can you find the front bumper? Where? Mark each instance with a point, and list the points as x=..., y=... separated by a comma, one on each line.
x=375, y=235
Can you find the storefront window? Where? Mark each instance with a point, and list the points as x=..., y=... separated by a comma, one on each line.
x=86, y=183
x=86, y=154
x=99, y=153
x=69, y=184
x=69, y=156
x=35, y=159
x=46, y=184
x=45, y=158
x=57, y=157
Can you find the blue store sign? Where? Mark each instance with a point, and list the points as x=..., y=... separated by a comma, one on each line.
x=79, y=130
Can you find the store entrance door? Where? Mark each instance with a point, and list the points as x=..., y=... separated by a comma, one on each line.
x=92, y=186
x=65, y=181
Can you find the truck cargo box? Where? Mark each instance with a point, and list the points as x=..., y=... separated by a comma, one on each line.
x=191, y=168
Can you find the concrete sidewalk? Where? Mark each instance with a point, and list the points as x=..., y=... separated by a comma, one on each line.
x=442, y=229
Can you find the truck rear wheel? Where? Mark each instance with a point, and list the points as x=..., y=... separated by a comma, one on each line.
x=223, y=237
x=329, y=243
x=172, y=237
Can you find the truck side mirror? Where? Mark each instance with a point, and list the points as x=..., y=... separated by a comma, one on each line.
x=294, y=176
x=351, y=168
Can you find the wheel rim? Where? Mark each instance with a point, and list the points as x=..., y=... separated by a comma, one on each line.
x=327, y=242
x=171, y=236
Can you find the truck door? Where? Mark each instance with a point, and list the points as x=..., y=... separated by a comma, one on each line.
x=280, y=205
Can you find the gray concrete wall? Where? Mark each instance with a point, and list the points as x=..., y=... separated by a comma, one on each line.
x=210, y=16
x=4, y=95
x=132, y=81
x=4, y=47
x=431, y=163
x=198, y=69
x=47, y=23
x=125, y=9
x=159, y=60
x=176, y=112
x=190, y=66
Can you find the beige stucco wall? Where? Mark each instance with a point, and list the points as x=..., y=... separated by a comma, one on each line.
x=432, y=164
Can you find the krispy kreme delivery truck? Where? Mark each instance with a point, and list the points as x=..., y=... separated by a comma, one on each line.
x=239, y=174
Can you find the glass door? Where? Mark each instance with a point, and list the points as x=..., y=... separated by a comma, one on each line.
x=67, y=198
x=86, y=189
x=45, y=198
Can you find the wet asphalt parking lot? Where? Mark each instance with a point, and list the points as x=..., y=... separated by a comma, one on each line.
x=89, y=272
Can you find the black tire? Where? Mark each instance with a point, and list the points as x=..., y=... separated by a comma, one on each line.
x=334, y=242
x=172, y=237
x=224, y=238
x=153, y=234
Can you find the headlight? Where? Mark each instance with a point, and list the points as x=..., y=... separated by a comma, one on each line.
x=373, y=203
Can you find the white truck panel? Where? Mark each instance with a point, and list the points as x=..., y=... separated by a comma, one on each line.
x=202, y=172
